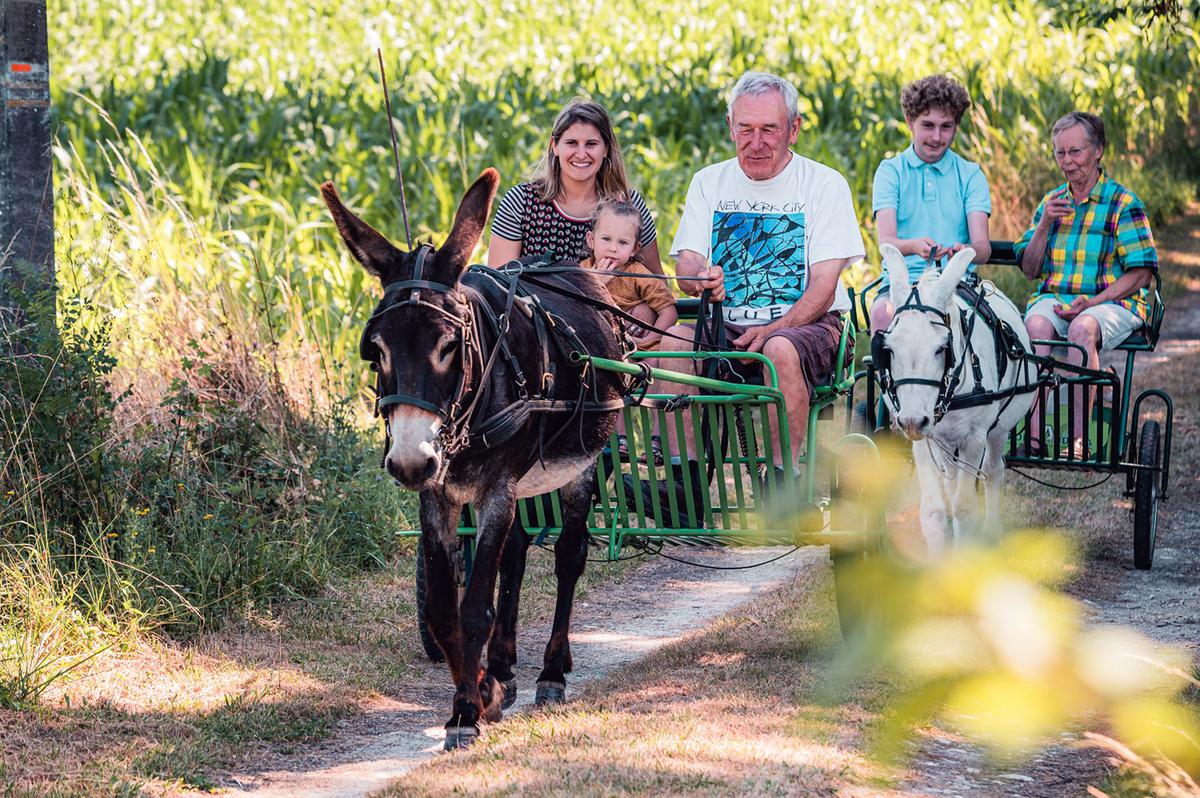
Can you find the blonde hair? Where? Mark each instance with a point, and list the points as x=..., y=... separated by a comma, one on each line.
x=622, y=209
x=618, y=207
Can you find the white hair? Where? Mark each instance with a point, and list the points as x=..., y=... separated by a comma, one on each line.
x=756, y=83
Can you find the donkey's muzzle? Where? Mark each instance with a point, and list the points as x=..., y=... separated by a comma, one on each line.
x=915, y=426
x=414, y=474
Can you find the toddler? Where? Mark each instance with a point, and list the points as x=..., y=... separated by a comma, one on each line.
x=612, y=242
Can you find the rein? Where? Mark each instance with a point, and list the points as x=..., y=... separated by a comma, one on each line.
x=636, y=275
x=460, y=426
x=1007, y=347
x=531, y=275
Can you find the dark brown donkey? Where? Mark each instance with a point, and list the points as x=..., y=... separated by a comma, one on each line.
x=483, y=404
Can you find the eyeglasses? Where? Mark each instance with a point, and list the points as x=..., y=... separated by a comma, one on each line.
x=1072, y=153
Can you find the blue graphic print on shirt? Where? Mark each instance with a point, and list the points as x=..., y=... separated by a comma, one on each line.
x=763, y=256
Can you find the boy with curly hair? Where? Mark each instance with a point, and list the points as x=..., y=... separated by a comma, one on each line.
x=928, y=200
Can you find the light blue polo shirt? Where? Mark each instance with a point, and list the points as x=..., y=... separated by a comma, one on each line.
x=930, y=199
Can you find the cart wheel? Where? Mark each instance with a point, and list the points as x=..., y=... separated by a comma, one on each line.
x=1145, y=498
x=432, y=649
x=858, y=419
x=850, y=511
x=854, y=604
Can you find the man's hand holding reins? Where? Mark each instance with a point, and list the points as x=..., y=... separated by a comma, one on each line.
x=714, y=281
x=693, y=264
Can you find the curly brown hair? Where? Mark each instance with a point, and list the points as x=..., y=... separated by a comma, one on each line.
x=935, y=91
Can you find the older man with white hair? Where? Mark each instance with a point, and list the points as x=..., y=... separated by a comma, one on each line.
x=769, y=232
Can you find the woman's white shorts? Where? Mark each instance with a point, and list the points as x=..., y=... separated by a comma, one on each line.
x=1116, y=323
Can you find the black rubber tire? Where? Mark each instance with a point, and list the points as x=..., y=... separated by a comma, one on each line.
x=432, y=649
x=855, y=607
x=858, y=420
x=1145, y=498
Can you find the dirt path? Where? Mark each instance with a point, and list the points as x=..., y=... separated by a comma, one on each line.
x=615, y=626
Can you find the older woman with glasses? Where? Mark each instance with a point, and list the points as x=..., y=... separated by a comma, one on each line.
x=1091, y=247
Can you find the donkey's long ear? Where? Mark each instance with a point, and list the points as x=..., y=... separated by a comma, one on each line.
x=468, y=225
x=952, y=275
x=897, y=272
x=366, y=243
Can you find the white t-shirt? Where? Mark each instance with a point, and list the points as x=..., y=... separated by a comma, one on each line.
x=764, y=234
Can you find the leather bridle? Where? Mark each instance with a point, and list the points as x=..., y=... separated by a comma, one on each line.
x=1007, y=347
x=460, y=428
x=408, y=293
x=881, y=357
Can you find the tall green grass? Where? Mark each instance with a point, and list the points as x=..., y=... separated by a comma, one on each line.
x=125, y=508
x=243, y=111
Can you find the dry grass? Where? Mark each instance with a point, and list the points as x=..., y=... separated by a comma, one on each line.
x=1164, y=779
x=163, y=717
x=730, y=710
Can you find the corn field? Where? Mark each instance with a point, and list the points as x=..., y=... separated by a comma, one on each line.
x=192, y=135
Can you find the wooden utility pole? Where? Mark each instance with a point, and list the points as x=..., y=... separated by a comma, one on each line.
x=26, y=182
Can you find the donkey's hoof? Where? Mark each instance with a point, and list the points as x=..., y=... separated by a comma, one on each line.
x=493, y=708
x=460, y=737
x=550, y=693
x=510, y=693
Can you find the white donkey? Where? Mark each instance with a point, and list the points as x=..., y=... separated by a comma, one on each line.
x=951, y=392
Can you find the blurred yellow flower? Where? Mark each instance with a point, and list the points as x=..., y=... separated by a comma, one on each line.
x=1007, y=713
x=1119, y=663
x=1160, y=728
x=984, y=639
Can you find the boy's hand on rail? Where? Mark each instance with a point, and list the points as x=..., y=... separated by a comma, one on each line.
x=924, y=247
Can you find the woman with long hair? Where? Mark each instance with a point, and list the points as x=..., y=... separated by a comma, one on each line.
x=552, y=212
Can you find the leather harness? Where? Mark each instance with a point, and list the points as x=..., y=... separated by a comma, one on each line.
x=483, y=339
x=1007, y=343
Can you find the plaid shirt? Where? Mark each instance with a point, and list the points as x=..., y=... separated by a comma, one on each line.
x=1088, y=251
